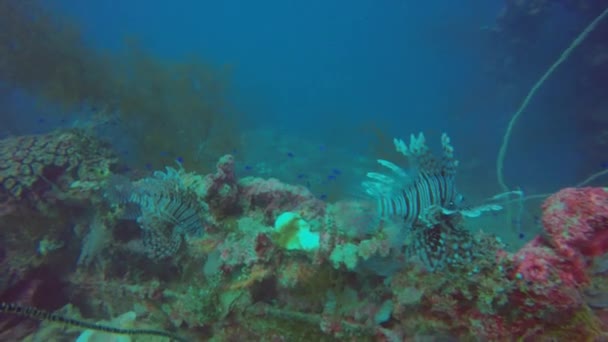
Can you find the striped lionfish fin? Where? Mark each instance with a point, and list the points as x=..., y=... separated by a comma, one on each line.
x=181, y=212
x=153, y=197
x=164, y=209
x=410, y=202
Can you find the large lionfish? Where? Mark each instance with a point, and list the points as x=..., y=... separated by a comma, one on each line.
x=423, y=200
x=165, y=209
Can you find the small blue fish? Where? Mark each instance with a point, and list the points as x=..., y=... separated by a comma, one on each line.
x=41, y=120
x=521, y=236
x=323, y=197
x=148, y=166
x=290, y=155
x=331, y=177
x=179, y=160
x=604, y=165
x=248, y=168
x=336, y=172
x=301, y=176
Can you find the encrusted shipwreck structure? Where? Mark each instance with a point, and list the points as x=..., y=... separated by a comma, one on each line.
x=193, y=257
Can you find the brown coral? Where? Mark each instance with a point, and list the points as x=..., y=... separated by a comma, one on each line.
x=32, y=166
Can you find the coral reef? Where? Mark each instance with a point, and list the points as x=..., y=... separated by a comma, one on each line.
x=577, y=221
x=47, y=182
x=61, y=164
x=266, y=260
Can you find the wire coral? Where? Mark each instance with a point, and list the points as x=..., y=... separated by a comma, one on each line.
x=563, y=57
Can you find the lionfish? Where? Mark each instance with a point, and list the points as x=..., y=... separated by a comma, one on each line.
x=164, y=208
x=423, y=201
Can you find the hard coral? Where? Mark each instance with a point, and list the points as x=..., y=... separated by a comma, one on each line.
x=31, y=166
x=577, y=221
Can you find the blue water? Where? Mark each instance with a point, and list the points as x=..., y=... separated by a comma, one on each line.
x=324, y=71
x=335, y=83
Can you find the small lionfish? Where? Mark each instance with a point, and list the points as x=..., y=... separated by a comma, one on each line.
x=418, y=197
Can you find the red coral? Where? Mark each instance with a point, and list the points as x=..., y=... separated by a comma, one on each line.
x=550, y=270
x=547, y=285
x=577, y=220
x=537, y=262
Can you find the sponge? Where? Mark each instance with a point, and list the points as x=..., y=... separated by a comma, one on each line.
x=293, y=233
